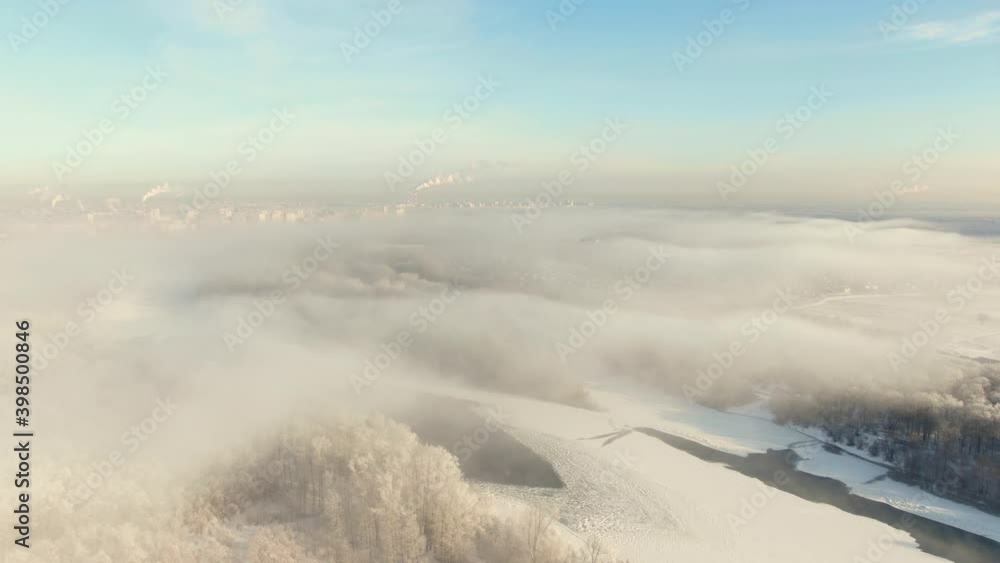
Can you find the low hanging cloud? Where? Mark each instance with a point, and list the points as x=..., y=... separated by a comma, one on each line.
x=130, y=328
x=539, y=316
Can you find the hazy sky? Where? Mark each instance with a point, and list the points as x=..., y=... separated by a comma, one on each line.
x=229, y=65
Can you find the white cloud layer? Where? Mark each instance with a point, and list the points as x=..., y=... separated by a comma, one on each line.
x=980, y=27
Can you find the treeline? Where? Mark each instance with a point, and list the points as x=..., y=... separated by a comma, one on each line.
x=345, y=491
x=945, y=441
x=371, y=492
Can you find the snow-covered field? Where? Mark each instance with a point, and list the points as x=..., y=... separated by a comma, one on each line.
x=654, y=503
x=748, y=430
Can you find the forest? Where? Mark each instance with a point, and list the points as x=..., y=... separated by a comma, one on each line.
x=946, y=441
x=343, y=490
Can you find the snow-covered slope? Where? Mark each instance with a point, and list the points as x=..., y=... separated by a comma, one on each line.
x=749, y=430
x=654, y=503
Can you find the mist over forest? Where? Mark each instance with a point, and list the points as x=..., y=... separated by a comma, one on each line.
x=253, y=337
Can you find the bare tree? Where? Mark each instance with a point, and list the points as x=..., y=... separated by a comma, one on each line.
x=538, y=522
x=595, y=550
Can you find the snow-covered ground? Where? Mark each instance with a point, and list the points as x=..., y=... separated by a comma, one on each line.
x=750, y=430
x=870, y=481
x=654, y=503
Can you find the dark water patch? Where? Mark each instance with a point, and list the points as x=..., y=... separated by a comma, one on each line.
x=830, y=448
x=485, y=452
x=776, y=468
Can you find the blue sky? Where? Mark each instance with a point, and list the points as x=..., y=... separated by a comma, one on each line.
x=227, y=70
